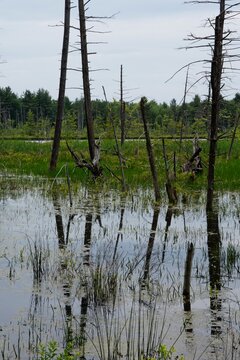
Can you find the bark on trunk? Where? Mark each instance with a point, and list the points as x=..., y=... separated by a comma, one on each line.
x=150, y=151
x=216, y=75
x=62, y=86
x=122, y=108
x=86, y=80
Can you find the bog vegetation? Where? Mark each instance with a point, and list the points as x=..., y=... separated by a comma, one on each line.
x=31, y=117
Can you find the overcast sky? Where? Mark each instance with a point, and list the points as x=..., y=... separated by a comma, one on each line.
x=144, y=37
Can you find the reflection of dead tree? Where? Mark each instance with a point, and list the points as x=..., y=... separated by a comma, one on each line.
x=150, y=150
x=85, y=297
x=119, y=234
x=187, y=278
x=68, y=310
x=87, y=239
x=168, y=219
x=59, y=221
x=62, y=243
x=214, y=256
x=150, y=246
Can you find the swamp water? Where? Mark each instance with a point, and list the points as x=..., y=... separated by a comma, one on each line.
x=107, y=275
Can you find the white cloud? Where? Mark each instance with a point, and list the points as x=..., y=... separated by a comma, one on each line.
x=144, y=38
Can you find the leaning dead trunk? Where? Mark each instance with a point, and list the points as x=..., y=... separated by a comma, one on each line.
x=62, y=86
x=150, y=150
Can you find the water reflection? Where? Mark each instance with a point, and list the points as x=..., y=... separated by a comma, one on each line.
x=168, y=220
x=85, y=295
x=119, y=235
x=214, y=258
x=187, y=278
x=62, y=241
x=150, y=247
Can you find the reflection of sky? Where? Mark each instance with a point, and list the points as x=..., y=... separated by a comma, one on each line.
x=31, y=217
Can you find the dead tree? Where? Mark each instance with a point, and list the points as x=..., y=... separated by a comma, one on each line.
x=122, y=108
x=62, y=86
x=216, y=78
x=223, y=44
x=150, y=150
x=86, y=79
x=171, y=190
x=184, y=109
x=233, y=135
x=119, y=154
x=94, y=149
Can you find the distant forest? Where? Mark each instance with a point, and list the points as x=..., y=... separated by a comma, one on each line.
x=34, y=113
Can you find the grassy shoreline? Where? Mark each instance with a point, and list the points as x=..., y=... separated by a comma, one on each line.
x=23, y=157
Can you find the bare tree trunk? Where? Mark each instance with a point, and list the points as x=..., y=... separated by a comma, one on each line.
x=86, y=80
x=119, y=154
x=122, y=108
x=150, y=150
x=216, y=76
x=171, y=190
x=62, y=86
x=183, y=115
x=233, y=135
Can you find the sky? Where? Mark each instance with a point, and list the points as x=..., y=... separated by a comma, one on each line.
x=144, y=37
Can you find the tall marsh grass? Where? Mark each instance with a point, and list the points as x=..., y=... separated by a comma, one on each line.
x=32, y=158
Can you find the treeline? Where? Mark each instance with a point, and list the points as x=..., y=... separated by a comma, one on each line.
x=34, y=113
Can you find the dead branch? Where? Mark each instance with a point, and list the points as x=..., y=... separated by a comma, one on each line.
x=81, y=162
x=187, y=65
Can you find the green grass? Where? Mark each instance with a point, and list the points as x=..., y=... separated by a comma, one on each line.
x=32, y=158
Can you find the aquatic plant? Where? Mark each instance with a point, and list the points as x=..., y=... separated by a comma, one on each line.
x=38, y=255
x=51, y=352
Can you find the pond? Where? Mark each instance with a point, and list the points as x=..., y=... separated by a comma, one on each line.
x=107, y=275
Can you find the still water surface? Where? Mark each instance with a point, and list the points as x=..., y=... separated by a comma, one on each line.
x=107, y=274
